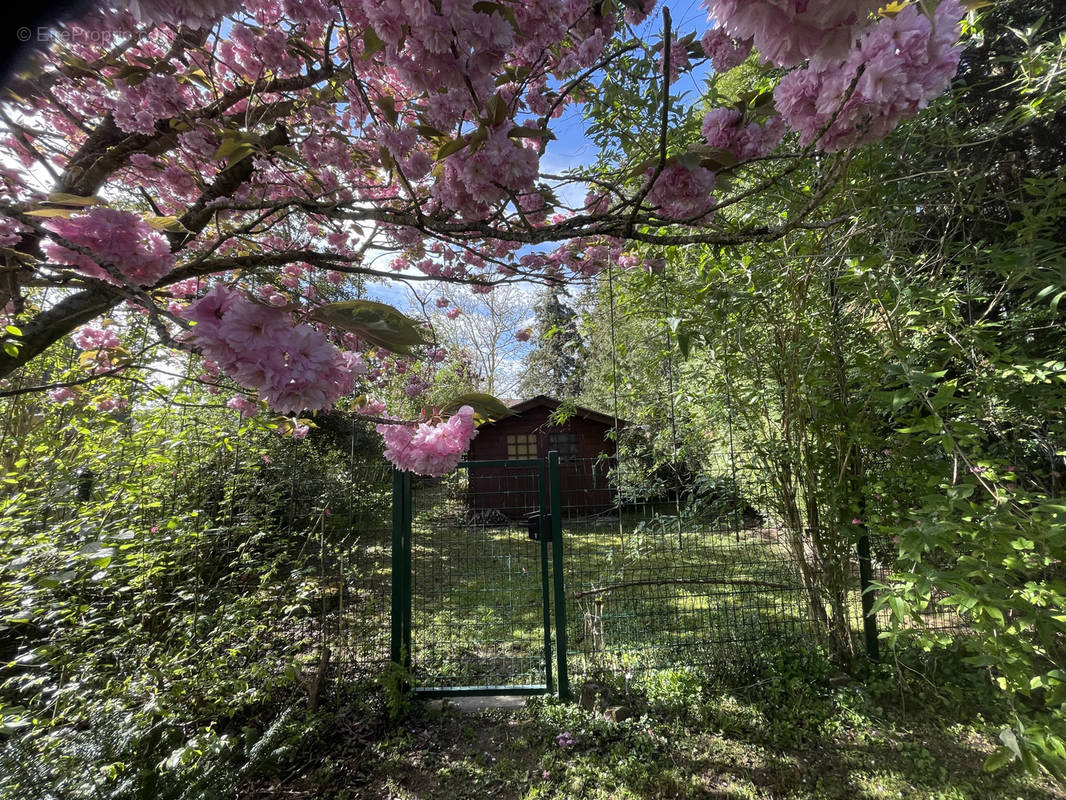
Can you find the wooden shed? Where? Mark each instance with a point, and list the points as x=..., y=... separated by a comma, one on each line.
x=530, y=433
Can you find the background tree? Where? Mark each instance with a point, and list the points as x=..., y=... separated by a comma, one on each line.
x=554, y=366
x=490, y=330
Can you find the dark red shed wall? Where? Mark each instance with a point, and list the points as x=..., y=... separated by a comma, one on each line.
x=584, y=482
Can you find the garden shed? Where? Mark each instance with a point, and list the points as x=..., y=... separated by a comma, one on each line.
x=585, y=452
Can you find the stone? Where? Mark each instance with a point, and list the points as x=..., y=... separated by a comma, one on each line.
x=589, y=697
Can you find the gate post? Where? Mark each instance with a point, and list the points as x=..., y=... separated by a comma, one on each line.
x=400, y=640
x=543, y=537
x=561, y=673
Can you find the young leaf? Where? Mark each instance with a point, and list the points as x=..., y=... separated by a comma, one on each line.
x=998, y=759
x=378, y=323
x=62, y=199
x=486, y=407
x=168, y=224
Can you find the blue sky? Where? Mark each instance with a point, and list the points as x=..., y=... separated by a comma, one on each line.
x=571, y=148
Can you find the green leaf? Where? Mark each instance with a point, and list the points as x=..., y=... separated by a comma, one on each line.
x=450, y=147
x=525, y=132
x=943, y=395
x=998, y=759
x=168, y=224
x=372, y=43
x=387, y=104
x=13, y=330
x=231, y=140
x=62, y=199
x=486, y=407
x=378, y=323
x=899, y=607
x=684, y=343
x=496, y=110
x=66, y=213
x=240, y=152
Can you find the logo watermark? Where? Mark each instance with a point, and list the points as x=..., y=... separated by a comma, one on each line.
x=42, y=34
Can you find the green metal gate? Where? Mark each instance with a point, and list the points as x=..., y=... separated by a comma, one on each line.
x=477, y=561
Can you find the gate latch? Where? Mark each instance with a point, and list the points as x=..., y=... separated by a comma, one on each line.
x=536, y=523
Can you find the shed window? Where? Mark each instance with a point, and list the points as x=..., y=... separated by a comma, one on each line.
x=521, y=445
x=565, y=443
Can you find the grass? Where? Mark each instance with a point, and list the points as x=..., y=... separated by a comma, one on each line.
x=779, y=727
x=701, y=634
x=640, y=592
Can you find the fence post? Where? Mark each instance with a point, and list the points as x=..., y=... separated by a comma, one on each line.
x=561, y=673
x=400, y=641
x=408, y=513
x=869, y=619
x=543, y=536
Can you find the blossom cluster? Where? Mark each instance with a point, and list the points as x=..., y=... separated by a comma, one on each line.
x=474, y=180
x=120, y=239
x=905, y=61
x=91, y=337
x=138, y=107
x=191, y=13
x=10, y=232
x=292, y=367
x=724, y=128
x=788, y=32
x=430, y=449
x=681, y=192
x=724, y=51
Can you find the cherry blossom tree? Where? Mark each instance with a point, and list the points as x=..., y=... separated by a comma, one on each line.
x=226, y=170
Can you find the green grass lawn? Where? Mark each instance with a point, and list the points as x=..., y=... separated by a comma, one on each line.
x=641, y=591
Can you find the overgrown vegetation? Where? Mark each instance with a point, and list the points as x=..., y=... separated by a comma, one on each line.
x=172, y=595
x=193, y=605
x=784, y=726
x=898, y=376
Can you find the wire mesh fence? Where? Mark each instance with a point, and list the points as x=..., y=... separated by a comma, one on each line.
x=661, y=567
x=479, y=580
x=655, y=575
x=682, y=569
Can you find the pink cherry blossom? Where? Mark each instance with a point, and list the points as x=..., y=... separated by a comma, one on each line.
x=112, y=405
x=724, y=51
x=682, y=193
x=138, y=107
x=247, y=406
x=191, y=13
x=787, y=32
x=907, y=60
x=61, y=395
x=120, y=239
x=94, y=338
x=430, y=449
x=10, y=231
x=678, y=60
x=719, y=127
x=292, y=367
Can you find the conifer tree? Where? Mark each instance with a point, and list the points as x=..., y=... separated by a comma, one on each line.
x=554, y=367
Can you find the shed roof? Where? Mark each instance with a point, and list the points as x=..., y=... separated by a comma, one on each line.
x=519, y=406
